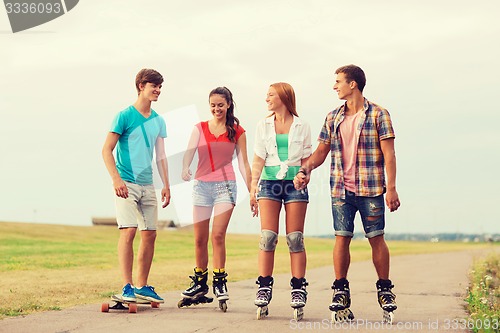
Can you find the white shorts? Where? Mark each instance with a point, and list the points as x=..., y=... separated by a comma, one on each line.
x=139, y=210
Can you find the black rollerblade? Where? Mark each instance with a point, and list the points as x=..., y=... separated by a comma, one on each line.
x=220, y=289
x=341, y=301
x=195, y=294
x=299, y=297
x=386, y=299
x=264, y=295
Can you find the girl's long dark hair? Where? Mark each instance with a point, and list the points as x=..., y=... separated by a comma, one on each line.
x=231, y=121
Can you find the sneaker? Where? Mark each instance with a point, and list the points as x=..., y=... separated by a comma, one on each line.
x=128, y=293
x=148, y=293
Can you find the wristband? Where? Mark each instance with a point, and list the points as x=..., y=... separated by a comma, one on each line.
x=301, y=170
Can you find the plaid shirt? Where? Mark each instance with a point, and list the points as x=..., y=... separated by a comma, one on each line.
x=374, y=125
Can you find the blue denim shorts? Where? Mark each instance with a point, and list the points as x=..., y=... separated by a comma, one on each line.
x=282, y=191
x=344, y=211
x=208, y=194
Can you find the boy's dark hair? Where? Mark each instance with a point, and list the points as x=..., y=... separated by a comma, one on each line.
x=231, y=121
x=146, y=75
x=353, y=73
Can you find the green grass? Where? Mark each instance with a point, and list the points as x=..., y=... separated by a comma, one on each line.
x=51, y=267
x=484, y=294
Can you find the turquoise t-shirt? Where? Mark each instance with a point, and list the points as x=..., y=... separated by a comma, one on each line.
x=134, y=152
x=269, y=172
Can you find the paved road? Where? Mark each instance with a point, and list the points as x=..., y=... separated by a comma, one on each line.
x=430, y=291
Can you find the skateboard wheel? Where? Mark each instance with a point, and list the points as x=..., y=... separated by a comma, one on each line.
x=132, y=308
x=104, y=307
x=155, y=305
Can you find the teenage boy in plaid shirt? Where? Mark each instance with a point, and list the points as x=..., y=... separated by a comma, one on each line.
x=360, y=138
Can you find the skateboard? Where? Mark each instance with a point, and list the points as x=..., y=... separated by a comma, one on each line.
x=185, y=302
x=121, y=304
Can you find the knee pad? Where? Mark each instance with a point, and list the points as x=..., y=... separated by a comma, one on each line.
x=268, y=240
x=295, y=241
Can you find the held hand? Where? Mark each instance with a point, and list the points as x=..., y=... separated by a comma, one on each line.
x=186, y=174
x=165, y=196
x=392, y=200
x=254, y=205
x=121, y=190
x=300, y=181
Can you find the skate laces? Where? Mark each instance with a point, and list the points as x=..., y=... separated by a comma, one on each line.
x=299, y=296
x=385, y=294
x=263, y=293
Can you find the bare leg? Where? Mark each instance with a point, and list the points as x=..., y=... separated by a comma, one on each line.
x=145, y=256
x=341, y=256
x=269, y=220
x=222, y=215
x=201, y=220
x=126, y=254
x=295, y=217
x=380, y=256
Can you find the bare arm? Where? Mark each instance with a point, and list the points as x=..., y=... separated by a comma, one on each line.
x=315, y=160
x=257, y=165
x=162, y=164
x=244, y=166
x=189, y=154
x=391, y=197
x=121, y=189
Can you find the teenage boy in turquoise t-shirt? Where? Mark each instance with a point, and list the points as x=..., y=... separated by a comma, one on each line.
x=136, y=132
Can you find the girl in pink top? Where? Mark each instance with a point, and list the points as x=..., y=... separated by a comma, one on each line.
x=216, y=141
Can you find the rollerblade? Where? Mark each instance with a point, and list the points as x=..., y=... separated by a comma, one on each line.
x=341, y=301
x=264, y=295
x=220, y=289
x=386, y=299
x=299, y=297
x=195, y=294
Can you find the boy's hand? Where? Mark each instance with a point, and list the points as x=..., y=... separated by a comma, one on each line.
x=165, y=196
x=121, y=189
x=392, y=200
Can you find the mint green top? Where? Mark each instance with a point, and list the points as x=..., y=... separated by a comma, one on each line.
x=269, y=172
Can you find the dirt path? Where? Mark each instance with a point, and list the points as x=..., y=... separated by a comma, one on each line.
x=430, y=290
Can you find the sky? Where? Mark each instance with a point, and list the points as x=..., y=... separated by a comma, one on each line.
x=433, y=64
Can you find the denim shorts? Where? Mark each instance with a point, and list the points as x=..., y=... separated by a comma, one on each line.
x=208, y=194
x=344, y=210
x=282, y=191
x=139, y=210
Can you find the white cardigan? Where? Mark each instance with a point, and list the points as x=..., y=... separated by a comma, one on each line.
x=299, y=142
